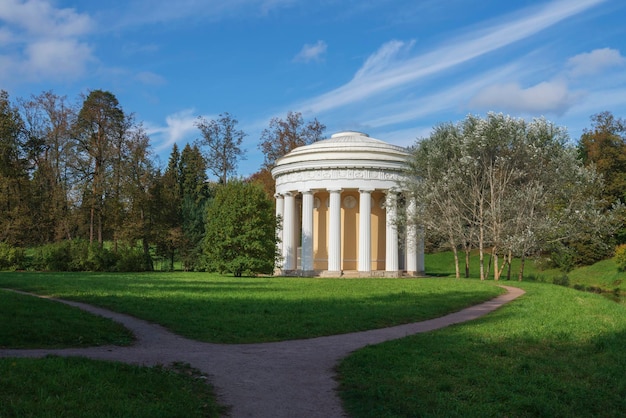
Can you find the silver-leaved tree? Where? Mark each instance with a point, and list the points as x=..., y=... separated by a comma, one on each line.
x=504, y=185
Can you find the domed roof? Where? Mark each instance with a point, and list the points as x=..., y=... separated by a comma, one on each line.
x=348, y=149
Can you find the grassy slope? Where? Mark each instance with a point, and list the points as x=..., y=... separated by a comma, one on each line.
x=602, y=276
x=555, y=352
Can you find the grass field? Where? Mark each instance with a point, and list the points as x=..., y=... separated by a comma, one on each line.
x=554, y=352
x=214, y=308
x=76, y=388
x=601, y=277
x=29, y=322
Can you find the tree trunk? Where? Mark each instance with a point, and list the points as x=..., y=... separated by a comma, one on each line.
x=509, y=265
x=520, y=274
x=457, y=271
x=496, y=271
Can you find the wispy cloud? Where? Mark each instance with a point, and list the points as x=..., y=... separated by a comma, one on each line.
x=311, y=52
x=384, y=71
x=179, y=127
x=43, y=42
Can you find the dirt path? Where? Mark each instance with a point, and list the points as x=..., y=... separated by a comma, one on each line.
x=284, y=379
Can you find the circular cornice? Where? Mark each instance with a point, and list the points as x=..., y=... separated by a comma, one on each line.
x=347, y=149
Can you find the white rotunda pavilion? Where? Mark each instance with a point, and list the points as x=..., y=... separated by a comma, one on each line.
x=338, y=199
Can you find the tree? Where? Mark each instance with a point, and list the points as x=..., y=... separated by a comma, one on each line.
x=47, y=121
x=512, y=186
x=240, y=230
x=99, y=125
x=195, y=193
x=604, y=146
x=167, y=208
x=136, y=184
x=281, y=137
x=14, y=186
x=223, y=143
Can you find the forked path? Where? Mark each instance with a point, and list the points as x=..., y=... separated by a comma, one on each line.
x=284, y=379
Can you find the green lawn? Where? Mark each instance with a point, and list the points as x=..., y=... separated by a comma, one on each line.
x=28, y=322
x=555, y=352
x=202, y=306
x=601, y=277
x=74, y=387
x=225, y=309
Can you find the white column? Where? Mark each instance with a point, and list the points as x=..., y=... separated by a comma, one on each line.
x=307, y=231
x=391, y=239
x=280, y=204
x=411, y=238
x=334, y=231
x=365, y=230
x=289, y=245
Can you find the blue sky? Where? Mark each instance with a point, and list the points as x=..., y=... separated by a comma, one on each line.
x=390, y=68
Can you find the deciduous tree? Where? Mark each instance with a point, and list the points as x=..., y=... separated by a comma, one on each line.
x=14, y=221
x=282, y=136
x=507, y=185
x=222, y=141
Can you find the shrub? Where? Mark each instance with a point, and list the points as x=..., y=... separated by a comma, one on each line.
x=11, y=258
x=561, y=281
x=74, y=255
x=132, y=259
x=620, y=257
x=240, y=230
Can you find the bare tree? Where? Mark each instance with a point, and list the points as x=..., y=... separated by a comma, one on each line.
x=282, y=136
x=223, y=145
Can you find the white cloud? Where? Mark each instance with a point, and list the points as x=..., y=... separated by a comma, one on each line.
x=312, y=52
x=56, y=58
x=595, y=62
x=545, y=97
x=383, y=58
x=383, y=72
x=179, y=127
x=45, y=42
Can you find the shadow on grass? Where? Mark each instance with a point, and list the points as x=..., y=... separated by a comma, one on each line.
x=510, y=363
x=241, y=319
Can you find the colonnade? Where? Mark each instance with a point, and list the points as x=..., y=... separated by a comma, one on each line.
x=287, y=210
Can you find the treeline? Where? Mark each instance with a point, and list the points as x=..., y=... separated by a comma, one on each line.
x=81, y=189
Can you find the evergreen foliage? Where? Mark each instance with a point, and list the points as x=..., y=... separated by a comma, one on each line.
x=240, y=230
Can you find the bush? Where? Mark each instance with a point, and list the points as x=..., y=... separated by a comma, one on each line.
x=133, y=259
x=620, y=257
x=561, y=281
x=74, y=255
x=11, y=258
x=240, y=230
x=53, y=257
